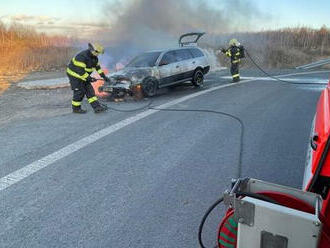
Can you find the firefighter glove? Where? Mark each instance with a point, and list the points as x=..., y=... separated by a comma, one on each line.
x=107, y=79
x=91, y=79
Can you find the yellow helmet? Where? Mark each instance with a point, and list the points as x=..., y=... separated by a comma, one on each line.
x=96, y=49
x=234, y=42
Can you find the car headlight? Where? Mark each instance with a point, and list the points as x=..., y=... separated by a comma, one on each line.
x=134, y=79
x=125, y=82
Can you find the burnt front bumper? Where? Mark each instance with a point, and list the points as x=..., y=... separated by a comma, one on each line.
x=120, y=89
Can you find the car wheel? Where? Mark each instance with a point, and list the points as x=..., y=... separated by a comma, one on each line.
x=198, y=78
x=149, y=87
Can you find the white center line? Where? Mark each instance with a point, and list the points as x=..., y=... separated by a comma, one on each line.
x=34, y=167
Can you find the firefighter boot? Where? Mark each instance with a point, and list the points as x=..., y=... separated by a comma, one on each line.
x=78, y=110
x=236, y=79
x=100, y=108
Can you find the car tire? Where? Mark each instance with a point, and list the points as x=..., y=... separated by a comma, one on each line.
x=198, y=78
x=149, y=87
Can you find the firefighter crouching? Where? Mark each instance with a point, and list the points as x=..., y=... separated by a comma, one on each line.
x=79, y=71
x=235, y=52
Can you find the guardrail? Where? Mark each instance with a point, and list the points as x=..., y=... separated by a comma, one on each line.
x=315, y=64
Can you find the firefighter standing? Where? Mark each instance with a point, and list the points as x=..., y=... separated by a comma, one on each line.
x=79, y=72
x=235, y=52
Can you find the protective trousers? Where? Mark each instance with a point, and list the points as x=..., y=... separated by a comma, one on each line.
x=80, y=89
x=234, y=70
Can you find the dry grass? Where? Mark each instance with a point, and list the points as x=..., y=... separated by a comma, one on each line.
x=284, y=48
x=293, y=47
x=23, y=50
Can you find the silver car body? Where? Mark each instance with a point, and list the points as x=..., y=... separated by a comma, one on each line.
x=188, y=59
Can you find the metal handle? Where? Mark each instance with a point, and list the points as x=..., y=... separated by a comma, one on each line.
x=177, y=66
x=318, y=206
x=313, y=140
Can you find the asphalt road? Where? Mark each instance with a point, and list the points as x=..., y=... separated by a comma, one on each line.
x=148, y=182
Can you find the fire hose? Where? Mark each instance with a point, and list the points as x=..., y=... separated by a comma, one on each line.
x=240, y=194
x=274, y=77
x=214, y=205
x=146, y=106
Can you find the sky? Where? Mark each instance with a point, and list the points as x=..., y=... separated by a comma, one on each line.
x=288, y=13
x=85, y=17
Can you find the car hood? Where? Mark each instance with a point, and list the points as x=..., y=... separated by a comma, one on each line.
x=135, y=75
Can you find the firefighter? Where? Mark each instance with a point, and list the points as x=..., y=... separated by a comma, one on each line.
x=235, y=52
x=79, y=72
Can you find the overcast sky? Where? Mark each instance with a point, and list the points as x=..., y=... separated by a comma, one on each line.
x=83, y=17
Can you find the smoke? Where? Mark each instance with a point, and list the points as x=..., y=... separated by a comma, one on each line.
x=139, y=25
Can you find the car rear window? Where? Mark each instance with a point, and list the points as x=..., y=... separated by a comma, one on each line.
x=144, y=60
x=183, y=54
x=196, y=52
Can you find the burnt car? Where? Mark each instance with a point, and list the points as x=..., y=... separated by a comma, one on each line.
x=157, y=69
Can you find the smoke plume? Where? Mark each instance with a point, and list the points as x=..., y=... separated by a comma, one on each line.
x=140, y=25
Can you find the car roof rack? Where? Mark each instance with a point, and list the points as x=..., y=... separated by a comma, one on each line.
x=189, y=43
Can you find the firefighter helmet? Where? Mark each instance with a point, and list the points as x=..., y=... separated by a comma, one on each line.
x=234, y=42
x=96, y=49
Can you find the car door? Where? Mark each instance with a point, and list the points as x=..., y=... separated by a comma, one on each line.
x=169, y=69
x=187, y=63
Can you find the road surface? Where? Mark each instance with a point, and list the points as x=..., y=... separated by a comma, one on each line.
x=145, y=178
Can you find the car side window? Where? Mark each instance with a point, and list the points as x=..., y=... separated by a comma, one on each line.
x=168, y=58
x=196, y=52
x=183, y=54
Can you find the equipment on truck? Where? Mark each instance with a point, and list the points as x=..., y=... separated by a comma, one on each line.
x=266, y=215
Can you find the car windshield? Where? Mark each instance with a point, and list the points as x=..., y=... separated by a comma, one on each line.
x=144, y=60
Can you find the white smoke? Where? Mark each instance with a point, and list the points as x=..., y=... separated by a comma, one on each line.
x=139, y=25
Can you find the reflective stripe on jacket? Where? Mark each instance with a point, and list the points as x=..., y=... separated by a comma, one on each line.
x=234, y=53
x=83, y=64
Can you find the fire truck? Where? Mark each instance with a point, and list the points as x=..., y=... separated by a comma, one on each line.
x=260, y=214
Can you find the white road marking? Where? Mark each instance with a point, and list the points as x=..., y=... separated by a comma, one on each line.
x=302, y=73
x=34, y=167
x=311, y=80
